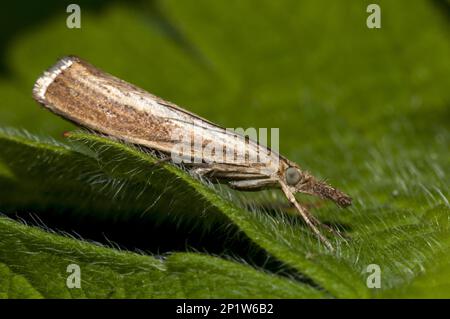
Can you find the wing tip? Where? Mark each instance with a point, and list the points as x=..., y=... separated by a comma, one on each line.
x=46, y=79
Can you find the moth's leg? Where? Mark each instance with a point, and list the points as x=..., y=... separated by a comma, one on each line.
x=202, y=171
x=318, y=223
x=207, y=172
x=253, y=184
x=161, y=160
x=308, y=218
x=226, y=172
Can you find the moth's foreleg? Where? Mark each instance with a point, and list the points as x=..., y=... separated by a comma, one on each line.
x=308, y=218
x=318, y=223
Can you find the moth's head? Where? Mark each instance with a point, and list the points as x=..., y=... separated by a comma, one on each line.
x=300, y=181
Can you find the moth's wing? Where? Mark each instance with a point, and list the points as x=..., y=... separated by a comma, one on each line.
x=91, y=98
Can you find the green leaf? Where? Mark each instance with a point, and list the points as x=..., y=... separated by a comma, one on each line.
x=37, y=267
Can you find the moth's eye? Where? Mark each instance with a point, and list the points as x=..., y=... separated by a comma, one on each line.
x=292, y=176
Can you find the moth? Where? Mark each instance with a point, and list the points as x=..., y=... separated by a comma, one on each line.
x=93, y=99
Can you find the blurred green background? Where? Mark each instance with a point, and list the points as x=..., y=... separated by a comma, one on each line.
x=367, y=109
x=312, y=68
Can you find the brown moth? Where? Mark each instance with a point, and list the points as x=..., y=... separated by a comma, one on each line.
x=91, y=98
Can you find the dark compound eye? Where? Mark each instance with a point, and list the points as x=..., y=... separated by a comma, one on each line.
x=292, y=176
